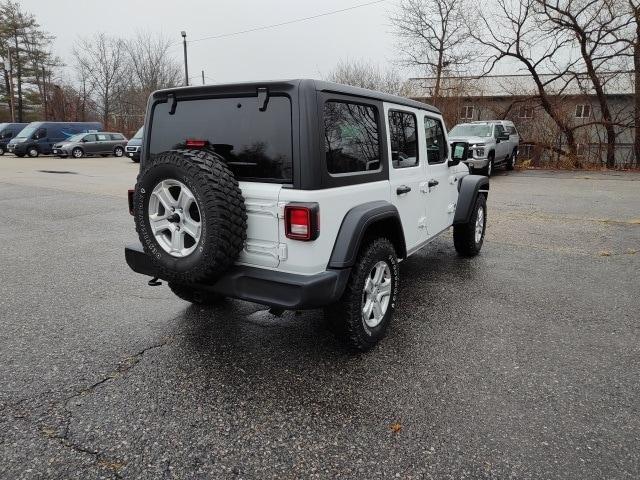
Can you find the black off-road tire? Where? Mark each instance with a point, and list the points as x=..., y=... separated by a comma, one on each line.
x=223, y=217
x=345, y=316
x=488, y=170
x=195, y=295
x=464, y=235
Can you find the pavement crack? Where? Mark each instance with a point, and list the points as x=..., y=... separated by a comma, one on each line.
x=64, y=435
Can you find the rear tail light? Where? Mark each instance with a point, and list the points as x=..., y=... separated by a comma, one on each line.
x=302, y=221
x=195, y=143
x=130, y=198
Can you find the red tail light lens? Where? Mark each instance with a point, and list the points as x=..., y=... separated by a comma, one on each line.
x=195, y=143
x=302, y=221
x=130, y=198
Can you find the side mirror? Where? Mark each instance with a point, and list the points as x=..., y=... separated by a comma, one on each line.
x=83, y=140
x=459, y=152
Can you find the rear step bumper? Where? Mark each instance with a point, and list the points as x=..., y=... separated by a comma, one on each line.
x=268, y=287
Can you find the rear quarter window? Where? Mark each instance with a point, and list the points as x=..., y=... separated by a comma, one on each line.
x=256, y=145
x=351, y=137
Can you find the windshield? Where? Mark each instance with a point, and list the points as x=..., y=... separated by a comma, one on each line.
x=75, y=138
x=27, y=132
x=139, y=133
x=470, y=130
x=255, y=144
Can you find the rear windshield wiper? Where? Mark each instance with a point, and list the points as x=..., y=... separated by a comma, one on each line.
x=263, y=98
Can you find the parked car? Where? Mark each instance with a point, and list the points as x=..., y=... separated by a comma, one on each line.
x=492, y=143
x=38, y=138
x=87, y=144
x=135, y=145
x=7, y=132
x=298, y=194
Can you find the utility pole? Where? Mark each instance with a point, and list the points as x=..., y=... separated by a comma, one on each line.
x=44, y=93
x=186, y=65
x=203, y=77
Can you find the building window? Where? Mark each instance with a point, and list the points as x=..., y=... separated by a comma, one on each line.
x=403, y=131
x=351, y=137
x=467, y=112
x=525, y=112
x=583, y=111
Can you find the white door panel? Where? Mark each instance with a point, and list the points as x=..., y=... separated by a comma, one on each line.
x=407, y=188
x=441, y=180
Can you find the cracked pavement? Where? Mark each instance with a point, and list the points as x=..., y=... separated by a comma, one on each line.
x=520, y=363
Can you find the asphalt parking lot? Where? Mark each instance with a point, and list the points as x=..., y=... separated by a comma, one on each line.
x=520, y=363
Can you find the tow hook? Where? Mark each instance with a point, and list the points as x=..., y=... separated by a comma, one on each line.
x=154, y=282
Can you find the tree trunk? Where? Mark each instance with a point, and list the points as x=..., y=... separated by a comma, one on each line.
x=636, y=65
x=607, y=119
x=19, y=77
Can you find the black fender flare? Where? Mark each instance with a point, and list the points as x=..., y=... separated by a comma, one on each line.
x=353, y=229
x=469, y=187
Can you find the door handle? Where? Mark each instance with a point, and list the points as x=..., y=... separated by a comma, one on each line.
x=433, y=183
x=403, y=189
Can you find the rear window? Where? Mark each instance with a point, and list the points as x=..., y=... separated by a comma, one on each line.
x=256, y=145
x=117, y=136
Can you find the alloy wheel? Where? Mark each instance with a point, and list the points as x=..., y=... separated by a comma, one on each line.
x=376, y=294
x=174, y=217
x=479, y=224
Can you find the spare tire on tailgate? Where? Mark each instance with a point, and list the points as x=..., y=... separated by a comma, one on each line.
x=189, y=214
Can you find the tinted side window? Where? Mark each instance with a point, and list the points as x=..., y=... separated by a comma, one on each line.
x=351, y=137
x=103, y=138
x=41, y=133
x=90, y=138
x=117, y=136
x=404, y=139
x=434, y=139
x=511, y=130
x=498, y=130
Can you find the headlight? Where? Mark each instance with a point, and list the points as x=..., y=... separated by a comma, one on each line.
x=479, y=149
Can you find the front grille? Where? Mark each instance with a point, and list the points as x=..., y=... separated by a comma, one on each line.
x=132, y=149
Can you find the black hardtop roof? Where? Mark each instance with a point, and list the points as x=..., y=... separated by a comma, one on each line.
x=320, y=85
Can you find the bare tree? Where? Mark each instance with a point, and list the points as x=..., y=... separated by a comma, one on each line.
x=634, y=6
x=596, y=27
x=359, y=73
x=150, y=64
x=522, y=39
x=102, y=60
x=434, y=36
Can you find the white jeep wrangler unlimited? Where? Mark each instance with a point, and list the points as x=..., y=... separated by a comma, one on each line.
x=298, y=194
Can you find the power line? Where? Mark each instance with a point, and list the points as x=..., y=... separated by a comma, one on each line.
x=289, y=22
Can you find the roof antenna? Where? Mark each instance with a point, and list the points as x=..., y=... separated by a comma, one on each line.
x=263, y=98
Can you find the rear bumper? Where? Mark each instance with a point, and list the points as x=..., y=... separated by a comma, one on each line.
x=268, y=287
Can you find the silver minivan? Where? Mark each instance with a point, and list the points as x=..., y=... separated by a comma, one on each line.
x=85, y=144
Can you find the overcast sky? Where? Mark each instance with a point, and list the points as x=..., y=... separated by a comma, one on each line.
x=305, y=49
